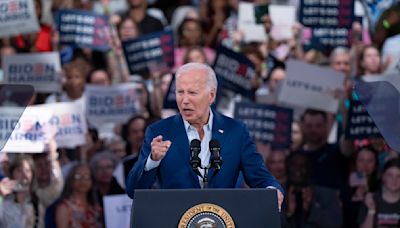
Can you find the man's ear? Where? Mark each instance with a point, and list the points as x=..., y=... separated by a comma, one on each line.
x=213, y=94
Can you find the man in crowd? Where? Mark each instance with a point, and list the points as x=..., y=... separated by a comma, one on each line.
x=326, y=159
x=138, y=13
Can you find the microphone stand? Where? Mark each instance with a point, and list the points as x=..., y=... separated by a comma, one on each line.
x=205, y=177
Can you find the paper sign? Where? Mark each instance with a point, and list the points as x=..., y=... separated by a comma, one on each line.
x=311, y=86
x=248, y=25
x=117, y=210
x=267, y=123
x=41, y=70
x=150, y=52
x=234, y=71
x=83, y=29
x=70, y=122
x=283, y=19
x=17, y=17
x=359, y=124
x=327, y=13
x=115, y=104
x=31, y=132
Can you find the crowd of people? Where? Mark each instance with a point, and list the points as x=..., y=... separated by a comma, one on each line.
x=327, y=183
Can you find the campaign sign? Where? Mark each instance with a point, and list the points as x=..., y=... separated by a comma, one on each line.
x=359, y=124
x=327, y=13
x=17, y=17
x=13, y=101
x=234, y=71
x=83, y=29
x=170, y=98
x=41, y=70
x=117, y=210
x=69, y=121
x=115, y=104
x=150, y=52
x=283, y=18
x=267, y=123
x=311, y=86
x=31, y=132
x=248, y=24
x=326, y=39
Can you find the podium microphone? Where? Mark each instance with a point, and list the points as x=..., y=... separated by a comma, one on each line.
x=216, y=160
x=195, y=148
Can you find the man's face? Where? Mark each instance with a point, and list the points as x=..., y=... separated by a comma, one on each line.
x=341, y=63
x=194, y=97
x=314, y=128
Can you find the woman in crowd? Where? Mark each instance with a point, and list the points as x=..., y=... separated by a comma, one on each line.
x=74, y=85
x=297, y=137
x=20, y=208
x=369, y=61
x=190, y=34
x=275, y=163
x=382, y=209
x=78, y=205
x=103, y=165
x=362, y=179
x=195, y=54
x=99, y=77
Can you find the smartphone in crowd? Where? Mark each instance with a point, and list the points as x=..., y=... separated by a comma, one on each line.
x=260, y=11
x=358, y=179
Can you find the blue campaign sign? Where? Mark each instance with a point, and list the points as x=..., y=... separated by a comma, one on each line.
x=327, y=13
x=150, y=52
x=267, y=123
x=234, y=71
x=170, y=98
x=359, y=124
x=326, y=39
x=83, y=29
x=381, y=100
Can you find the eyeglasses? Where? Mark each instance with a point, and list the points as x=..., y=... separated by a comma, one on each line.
x=81, y=177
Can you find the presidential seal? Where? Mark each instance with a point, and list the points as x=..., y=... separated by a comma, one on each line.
x=206, y=215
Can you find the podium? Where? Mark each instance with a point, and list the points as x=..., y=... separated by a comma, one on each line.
x=205, y=208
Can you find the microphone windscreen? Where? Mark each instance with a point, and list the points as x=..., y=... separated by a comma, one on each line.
x=195, y=143
x=214, y=144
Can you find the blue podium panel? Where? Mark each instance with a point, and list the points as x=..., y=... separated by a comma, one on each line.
x=205, y=208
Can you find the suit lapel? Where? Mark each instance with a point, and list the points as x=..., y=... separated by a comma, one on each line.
x=218, y=134
x=183, y=146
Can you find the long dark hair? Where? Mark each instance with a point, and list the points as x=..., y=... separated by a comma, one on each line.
x=68, y=186
x=373, y=178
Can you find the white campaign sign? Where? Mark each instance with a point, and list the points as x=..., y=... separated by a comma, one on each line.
x=42, y=70
x=247, y=24
x=111, y=104
x=311, y=86
x=117, y=210
x=17, y=17
x=70, y=122
x=32, y=131
x=283, y=18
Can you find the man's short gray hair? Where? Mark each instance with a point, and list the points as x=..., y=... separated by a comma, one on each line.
x=212, y=82
x=338, y=51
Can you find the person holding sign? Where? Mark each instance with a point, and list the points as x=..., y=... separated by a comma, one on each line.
x=166, y=153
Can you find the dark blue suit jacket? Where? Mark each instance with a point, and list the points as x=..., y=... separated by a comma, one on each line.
x=238, y=153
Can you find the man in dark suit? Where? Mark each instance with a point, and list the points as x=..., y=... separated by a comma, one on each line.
x=166, y=154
